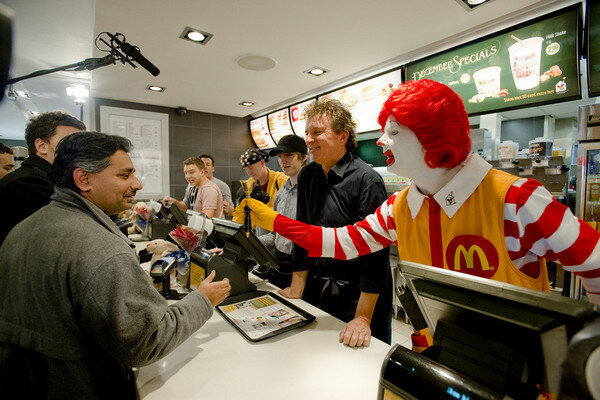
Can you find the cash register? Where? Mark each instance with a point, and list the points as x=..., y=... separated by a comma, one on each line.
x=491, y=340
x=241, y=250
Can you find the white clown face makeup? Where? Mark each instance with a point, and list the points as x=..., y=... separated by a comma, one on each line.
x=405, y=154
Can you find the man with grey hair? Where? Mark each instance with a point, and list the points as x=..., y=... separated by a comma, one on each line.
x=76, y=309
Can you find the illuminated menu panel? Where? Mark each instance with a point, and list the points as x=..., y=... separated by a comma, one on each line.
x=298, y=119
x=279, y=124
x=531, y=63
x=365, y=99
x=259, y=130
x=593, y=49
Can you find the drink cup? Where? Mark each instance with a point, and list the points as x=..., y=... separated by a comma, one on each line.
x=487, y=81
x=525, y=58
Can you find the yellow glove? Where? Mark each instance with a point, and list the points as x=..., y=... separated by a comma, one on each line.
x=261, y=215
x=239, y=214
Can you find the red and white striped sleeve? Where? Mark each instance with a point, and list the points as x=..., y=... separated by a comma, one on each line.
x=372, y=234
x=536, y=225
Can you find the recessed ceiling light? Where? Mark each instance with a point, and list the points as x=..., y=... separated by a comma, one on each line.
x=471, y=4
x=195, y=35
x=22, y=93
x=316, y=71
x=156, y=88
x=35, y=113
x=246, y=103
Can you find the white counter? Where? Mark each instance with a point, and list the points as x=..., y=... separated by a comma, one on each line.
x=306, y=363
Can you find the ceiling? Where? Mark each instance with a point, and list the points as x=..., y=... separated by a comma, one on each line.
x=353, y=39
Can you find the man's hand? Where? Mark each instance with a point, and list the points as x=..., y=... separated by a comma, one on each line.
x=356, y=333
x=238, y=213
x=167, y=199
x=289, y=293
x=227, y=208
x=215, y=291
x=296, y=288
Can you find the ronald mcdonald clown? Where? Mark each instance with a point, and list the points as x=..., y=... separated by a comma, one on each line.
x=459, y=213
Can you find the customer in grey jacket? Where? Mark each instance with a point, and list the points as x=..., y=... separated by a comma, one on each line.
x=76, y=310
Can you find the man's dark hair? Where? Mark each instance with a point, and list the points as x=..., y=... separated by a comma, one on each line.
x=4, y=149
x=44, y=127
x=208, y=156
x=197, y=161
x=90, y=151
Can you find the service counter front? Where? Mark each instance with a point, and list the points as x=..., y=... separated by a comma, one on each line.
x=217, y=362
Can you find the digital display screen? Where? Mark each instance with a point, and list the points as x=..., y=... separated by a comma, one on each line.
x=279, y=124
x=593, y=50
x=259, y=129
x=532, y=63
x=365, y=99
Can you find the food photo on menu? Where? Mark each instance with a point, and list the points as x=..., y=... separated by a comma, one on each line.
x=531, y=64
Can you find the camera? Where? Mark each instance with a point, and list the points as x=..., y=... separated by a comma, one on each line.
x=181, y=110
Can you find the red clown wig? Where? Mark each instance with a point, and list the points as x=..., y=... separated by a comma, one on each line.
x=436, y=114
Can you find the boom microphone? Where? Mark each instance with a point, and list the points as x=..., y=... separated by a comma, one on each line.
x=134, y=53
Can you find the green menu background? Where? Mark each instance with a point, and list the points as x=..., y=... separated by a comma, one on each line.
x=561, y=29
x=594, y=48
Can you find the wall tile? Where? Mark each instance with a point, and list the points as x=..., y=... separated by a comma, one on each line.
x=203, y=140
x=220, y=122
x=220, y=138
x=201, y=119
x=181, y=135
x=221, y=156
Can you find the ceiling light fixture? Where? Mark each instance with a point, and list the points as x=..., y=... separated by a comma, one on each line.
x=156, y=88
x=35, y=113
x=316, y=71
x=195, y=35
x=246, y=103
x=471, y=4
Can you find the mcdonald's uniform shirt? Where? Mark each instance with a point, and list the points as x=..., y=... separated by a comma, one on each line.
x=480, y=210
x=276, y=181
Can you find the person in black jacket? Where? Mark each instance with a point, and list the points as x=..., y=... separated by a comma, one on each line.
x=29, y=188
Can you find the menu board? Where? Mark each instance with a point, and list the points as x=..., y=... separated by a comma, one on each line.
x=365, y=99
x=298, y=118
x=593, y=49
x=260, y=133
x=531, y=63
x=279, y=124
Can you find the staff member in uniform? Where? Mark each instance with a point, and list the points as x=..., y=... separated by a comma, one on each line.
x=292, y=153
x=253, y=161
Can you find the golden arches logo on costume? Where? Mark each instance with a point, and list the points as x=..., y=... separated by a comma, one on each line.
x=473, y=255
x=469, y=256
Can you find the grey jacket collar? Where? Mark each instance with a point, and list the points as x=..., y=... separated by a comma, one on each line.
x=72, y=199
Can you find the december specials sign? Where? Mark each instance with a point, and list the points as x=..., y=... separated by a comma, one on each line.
x=528, y=64
x=593, y=50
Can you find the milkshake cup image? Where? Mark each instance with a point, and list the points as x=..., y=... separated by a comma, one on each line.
x=525, y=58
x=487, y=81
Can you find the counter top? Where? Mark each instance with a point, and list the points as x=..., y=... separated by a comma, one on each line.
x=306, y=363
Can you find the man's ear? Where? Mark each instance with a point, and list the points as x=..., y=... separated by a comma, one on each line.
x=344, y=136
x=82, y=180
x=41, y=147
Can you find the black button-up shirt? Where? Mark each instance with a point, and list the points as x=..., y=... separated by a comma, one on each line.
x=351, y=191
